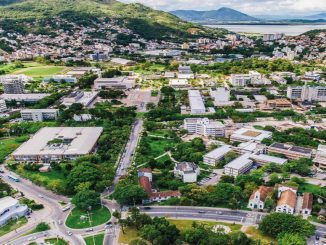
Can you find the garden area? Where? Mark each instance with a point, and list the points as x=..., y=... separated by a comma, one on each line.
x=95, y=240
x=56, y=241
x=80, y=219
x=8, y=145
x=12, y=225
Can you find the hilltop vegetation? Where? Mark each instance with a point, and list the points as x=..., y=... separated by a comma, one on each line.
x=313, y=33
x=146, y=22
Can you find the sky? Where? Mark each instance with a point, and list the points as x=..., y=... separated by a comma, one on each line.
x=253, y=7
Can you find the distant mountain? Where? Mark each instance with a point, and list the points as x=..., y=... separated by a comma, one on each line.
x=145, y=21
x=315, y=17
x=211, y=16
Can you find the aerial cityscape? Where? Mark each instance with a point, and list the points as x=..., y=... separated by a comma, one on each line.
x=162, y=122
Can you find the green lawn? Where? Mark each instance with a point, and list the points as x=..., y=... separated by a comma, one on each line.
x=154, y=148
x=129, y=235
x=40, y=71
x=12, y=225
x=314, y=189
x=56, y=241
x=97, y=240
x=98, y=217
x=187, y=224
x=8, y=145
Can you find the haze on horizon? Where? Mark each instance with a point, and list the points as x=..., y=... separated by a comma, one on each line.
x=252, y=7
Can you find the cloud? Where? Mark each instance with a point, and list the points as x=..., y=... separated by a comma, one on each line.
x=266, y=7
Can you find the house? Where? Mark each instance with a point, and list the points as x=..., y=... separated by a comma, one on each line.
x=147, y=172
x=11, y=209
x=287, y=202
x=258, y=197
x=187, y=171
x=307, y=201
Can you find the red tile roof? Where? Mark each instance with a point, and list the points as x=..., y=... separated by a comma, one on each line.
x=288, y=197
x=307, y=201
x=264, y=191
x=146, y=184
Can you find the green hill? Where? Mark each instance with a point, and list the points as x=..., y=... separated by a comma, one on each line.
x=142, y=20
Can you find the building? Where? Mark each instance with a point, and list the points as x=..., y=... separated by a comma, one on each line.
x=114, y=83
x=204, y=126
x=287, y=202
x=122, y=62
x=291, y=152
x=28, y=98
x=184, y=70
x=21, y=77
x=179, y=83
x=11, y=209
x=262, y=159
x=240, y=80
x=82, y=117
x=3, y=106
x=147, y=172
x=312, y=76
x=13, y=86
x=214, y=156
x=81, y=97
x=320, y=159
x=187, y=171
x=81, y=71
x=307, y=93
x=238, y=166
x=273, y=37
x=279, y=104
x=250, y=134
x=258, y=197
x=144, y=179
x=39, y=115
x=196, y=102
x=58, y=143
x=60, y=78
x=307, y=201
x=221, y=96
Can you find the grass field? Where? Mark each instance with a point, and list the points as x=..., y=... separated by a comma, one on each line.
x=156, y=147
x=314, y=189
x=8, y=145
x=98, y=217
x=97, y=240
x=257, y=235
x=37, y=70
x=129, y=235
x=12, y=225
x=56, y=241
x=187, y=224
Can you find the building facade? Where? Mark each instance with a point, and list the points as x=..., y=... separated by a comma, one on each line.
x=11, y=209
x=39, y=115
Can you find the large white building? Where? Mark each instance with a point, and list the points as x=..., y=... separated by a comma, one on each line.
x=13, y=86
x=221, y=96
x=212, y=157
x=204, y=126
x=187, y=171
x=114, y=83
x=3, y=107
x=240, y=80
x=29, y=98
x=196, y=102
x=60, y=78
x=238, y=166
x=39, y=115
x=81, y=97
x=250, y=134
x=58, y=143
x=320, y=159
x=11, y=209
x=307, y=93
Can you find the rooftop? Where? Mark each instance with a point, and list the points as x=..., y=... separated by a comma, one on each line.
x=219, y=152
x=240, y=162
x=289, y=198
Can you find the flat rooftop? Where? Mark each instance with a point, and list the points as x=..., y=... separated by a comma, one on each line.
x=267, y=158
x=219, y=152
x=68, y=141
x=21, y=97
x=239, y=162
x=195, y=100
x=251, y=134
x=287, y=147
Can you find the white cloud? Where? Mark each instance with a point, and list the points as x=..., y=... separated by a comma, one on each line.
x=266, y=7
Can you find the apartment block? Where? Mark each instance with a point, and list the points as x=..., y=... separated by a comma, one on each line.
x=13, y=86
x=307, y=93
x=204, y=126
x=39, y=115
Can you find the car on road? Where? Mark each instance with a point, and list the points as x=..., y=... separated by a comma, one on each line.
x=60, y=222
x=108, y=226
x=147, y=208
x=69, y=233
x=89, y=229
x=40, y=196
x=219, y=212
x=65, y=209
x=317, y=237
x=201, y=212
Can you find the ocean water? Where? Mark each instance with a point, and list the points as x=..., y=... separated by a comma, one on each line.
x=289, y=30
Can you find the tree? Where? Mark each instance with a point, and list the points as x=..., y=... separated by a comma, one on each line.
x=238, y=237
x=86, y=198
x=291, y=239
x=278, y=223
x=129, y=194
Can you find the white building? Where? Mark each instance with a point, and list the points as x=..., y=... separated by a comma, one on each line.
x=81, y=97
x=287, y=200
x=221, y=96
x=58, y=143
x=320, y=159
x=240, y=80
x=212, y=157
x=114, y=83
x=307, y=93
x=20, y=77
x=39, y=115
x=238, y=166
x=13, y=86
x=179, y=83
x=262, y=159
x=29, y=98
x=196, y=102
x=82, y=117
x=258, y=197
x=311, y=76
x=11, y=209
x=3, y=107
x=204, y=126
x=187, y=171
x=250, y=134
